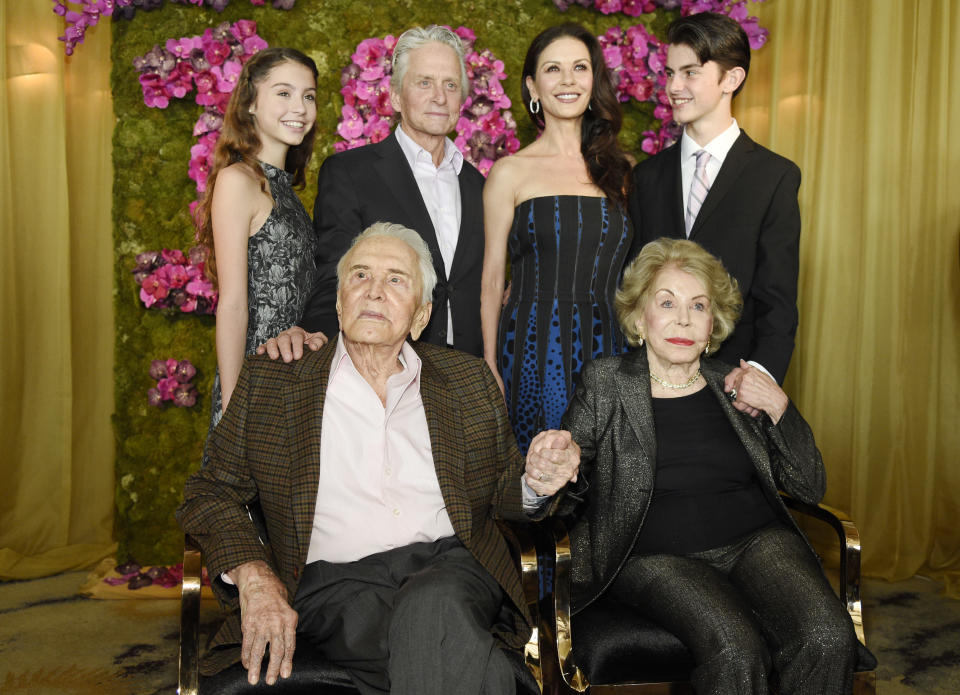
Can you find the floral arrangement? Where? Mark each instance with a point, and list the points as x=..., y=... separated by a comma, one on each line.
x=486, y=130
x=136, y=577
x=210, y=64
x=636, y=57
x=89, y=12
x=169, y=278
x=174, y=383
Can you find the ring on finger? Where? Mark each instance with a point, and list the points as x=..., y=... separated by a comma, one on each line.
x=733, y=394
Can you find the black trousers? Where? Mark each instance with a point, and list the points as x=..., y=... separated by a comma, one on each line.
x=756, y=614
x=409, y=620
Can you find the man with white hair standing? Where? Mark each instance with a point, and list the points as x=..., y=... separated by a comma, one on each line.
x=382, y=468
x=415, y=177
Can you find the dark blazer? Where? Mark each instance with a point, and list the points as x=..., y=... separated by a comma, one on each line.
x=751, y=221
x=267, y=448
x=611, y=418
x=374, y=183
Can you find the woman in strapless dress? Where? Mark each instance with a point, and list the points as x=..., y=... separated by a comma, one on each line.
x=557, y=208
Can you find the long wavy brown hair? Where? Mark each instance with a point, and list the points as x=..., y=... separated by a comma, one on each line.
x=239, y=142
x=607, y=163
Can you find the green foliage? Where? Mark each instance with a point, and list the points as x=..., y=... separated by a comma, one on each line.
x=158, y=448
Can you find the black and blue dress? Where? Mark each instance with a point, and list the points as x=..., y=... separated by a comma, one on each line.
x=566, y=255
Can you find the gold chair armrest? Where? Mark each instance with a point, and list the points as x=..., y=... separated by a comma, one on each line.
x=526, y=550
x=849, y=538
x=561, y=631
x=189, y=658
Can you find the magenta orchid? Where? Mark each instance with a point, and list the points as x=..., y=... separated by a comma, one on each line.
x=172, y=279
x=636, y=57
x=210, y=64
x=485, y=131
x=174, y=383
x=80, y=15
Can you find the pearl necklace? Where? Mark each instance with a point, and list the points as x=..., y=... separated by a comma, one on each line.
x=667, y=384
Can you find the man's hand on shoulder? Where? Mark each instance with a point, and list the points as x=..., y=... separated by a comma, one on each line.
x=553, y=460
x=265, y=618
x=289, y=344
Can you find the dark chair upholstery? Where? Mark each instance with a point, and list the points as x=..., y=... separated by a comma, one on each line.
x=312, y=673
x=609, y=648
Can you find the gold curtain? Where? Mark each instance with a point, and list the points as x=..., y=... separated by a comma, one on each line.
x=862, y=94
x=56, y=303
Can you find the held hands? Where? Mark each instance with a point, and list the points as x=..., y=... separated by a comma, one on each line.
x=552, y=461
x=754, y=392
x=289, y=344
x=265, y=618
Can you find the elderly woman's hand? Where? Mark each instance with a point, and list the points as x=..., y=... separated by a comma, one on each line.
x=553, y=460
x=756, y=390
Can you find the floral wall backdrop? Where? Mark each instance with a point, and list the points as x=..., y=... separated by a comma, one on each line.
x=159, y=444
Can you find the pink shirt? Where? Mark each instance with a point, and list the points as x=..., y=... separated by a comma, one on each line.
x=378, y=486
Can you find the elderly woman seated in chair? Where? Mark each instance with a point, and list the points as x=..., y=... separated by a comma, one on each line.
x=678, y=513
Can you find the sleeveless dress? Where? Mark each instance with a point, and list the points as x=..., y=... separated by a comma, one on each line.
x=566, y=256
x=281, y=271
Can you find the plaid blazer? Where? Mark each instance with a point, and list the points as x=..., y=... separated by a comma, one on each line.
x=267, y=449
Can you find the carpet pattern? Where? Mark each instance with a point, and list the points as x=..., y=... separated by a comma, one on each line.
x=54, y=642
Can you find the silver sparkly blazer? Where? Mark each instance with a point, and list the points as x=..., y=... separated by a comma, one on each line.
x=611, y=418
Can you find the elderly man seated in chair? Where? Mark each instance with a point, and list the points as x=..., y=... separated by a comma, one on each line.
x=381, y=468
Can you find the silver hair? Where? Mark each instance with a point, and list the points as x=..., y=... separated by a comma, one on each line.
x=389, y=230
x=417, y=37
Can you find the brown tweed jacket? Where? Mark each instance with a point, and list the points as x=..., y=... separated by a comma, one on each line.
x=267, y=449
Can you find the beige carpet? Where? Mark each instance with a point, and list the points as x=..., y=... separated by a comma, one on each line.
x=54, y=642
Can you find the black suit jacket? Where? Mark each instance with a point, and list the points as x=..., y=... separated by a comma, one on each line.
x=751, y=221
x=374, y=183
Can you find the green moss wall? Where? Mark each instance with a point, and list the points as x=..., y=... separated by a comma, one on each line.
x=158, y=448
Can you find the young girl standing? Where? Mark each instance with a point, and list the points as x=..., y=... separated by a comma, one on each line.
x=260, y=237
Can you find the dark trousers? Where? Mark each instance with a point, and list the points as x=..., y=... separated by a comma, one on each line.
x=409, y=620
x=755, y=614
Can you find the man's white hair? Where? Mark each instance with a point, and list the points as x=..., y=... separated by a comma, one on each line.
x=389, y=230
x=416, y=37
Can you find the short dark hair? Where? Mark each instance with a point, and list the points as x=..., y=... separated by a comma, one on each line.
x=715, y=37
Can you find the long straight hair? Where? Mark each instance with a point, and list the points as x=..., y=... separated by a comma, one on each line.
x=607, y=164
x=239, y=141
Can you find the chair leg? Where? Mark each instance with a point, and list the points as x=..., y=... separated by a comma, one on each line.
x=189, y=658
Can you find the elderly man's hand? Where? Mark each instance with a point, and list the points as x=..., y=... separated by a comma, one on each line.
x=265, y=618
x=553, y=460
x=289, y=344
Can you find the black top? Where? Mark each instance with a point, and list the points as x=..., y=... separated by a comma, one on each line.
x=706, y=494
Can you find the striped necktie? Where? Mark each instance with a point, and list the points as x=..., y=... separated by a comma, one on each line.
x=698, y=189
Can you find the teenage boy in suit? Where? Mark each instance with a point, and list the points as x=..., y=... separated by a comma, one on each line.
x=719, y=188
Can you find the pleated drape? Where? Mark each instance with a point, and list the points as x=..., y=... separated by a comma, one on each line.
x=863, y=96
x=56, y=305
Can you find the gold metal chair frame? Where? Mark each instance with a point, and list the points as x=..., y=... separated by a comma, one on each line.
x=189, y=657
x=561, y=676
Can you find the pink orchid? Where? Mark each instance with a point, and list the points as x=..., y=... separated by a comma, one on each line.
x=158, y=370
x=166, y=386
x=253, y=44
x=153, y=288
x=377, y=129
x=351, y=125
x=184, y=396
x=184, y=371
x=155, y=399
x=244, y=28
x=173, y=256
x=227, y=75
x=216, y=52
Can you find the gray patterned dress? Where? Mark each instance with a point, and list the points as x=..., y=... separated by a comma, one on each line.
x=281, y=271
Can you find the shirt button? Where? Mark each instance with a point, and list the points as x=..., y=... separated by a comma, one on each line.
x=388, y=470
x=396, y=511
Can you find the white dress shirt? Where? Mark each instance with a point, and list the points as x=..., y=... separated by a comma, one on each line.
x=440, y=189
x=717, y=148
